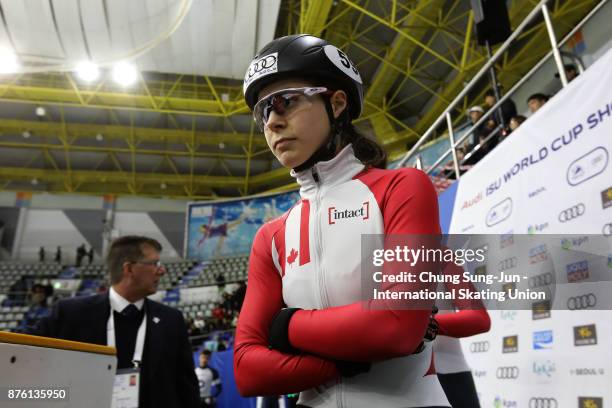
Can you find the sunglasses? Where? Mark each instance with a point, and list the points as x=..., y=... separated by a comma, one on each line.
x=284, y=102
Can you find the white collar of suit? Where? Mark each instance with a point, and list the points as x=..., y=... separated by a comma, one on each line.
x=118, y=302
x=342, y=168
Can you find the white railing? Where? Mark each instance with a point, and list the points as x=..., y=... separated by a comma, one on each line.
x=446, y=115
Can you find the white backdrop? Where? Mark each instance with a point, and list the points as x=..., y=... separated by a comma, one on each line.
x=558, y=159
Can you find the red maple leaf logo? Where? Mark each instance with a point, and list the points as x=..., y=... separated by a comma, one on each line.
x=292, y=256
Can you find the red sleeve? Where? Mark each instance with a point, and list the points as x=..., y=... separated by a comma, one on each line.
x=259, y=370
x=471, y=319
x=356, y=332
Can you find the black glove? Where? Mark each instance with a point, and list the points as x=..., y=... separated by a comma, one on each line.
x=278, y=338
x=432, y=331
x=351, y=368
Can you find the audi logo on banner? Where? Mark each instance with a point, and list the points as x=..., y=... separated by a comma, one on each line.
x=571, y=213
x=543, y=279
x=585, y=301
x=479, y=346
x=543, y=402
x=507, y=373
x=607, y=229
x=506, y=264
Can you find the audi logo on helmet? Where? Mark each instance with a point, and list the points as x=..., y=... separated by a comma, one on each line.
x=268, y=64
x=572, y=213
x=543, y=402
x=479, y=346
x=507, y=373
x=585, y=301
x=263, y=63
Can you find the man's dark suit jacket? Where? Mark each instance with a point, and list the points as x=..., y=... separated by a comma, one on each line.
x=168, y=377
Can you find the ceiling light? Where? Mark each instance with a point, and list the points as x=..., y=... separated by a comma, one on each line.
x=225, y=97
x=40, y=111
x=34, y=181
x=221, y=145
x=8, y=61
x=163, y=186
x=88, y=71
x=125, y=74
x=99, y=137
x=26, y=134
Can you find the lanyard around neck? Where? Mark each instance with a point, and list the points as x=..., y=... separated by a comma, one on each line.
x=111, y=341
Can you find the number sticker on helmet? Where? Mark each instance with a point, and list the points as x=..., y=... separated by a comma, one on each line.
x=342, y=61
x=266, y=65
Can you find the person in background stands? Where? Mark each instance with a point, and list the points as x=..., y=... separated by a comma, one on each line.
x=508, y=109
x=80, y=254
x=571, y=72
x=90, y=255
x=58, y=255
x=208, y=380
x=536, y=101
x=516, y=121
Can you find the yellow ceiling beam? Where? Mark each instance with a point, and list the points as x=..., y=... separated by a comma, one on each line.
x=109, y=99
x=315, y=17
x=116, y=177
x=271, y=177
x=118, y=150
x=396, y=57
x=402, y=48
x=105, y=179
x=151, y=191
x=125, y=133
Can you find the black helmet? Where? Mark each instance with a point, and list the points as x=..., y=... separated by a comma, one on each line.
x=304, y=56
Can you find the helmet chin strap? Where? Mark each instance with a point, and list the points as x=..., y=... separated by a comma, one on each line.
x=327, y=150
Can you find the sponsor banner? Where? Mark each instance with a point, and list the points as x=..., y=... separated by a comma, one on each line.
x=551, y=177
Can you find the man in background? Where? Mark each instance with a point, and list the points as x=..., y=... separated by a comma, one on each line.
x=571, y=72
x=536, y=101
x=165, y=365
x=507, y=108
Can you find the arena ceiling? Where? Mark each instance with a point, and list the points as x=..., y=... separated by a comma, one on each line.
x=183, y=130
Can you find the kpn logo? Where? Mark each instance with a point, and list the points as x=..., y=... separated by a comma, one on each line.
x=573, y=242
x=500, y=402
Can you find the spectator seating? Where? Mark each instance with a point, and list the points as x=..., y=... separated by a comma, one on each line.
x=233, y=269
x=180, y=274
x=11, y=272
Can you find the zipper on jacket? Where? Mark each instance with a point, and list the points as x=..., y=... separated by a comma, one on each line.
x=318, y=241
x=337, y=389
x=315, y=175
x=315, y=220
